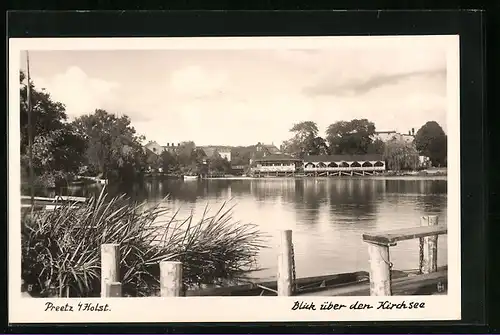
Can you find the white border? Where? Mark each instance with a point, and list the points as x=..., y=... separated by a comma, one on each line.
x=233, y=309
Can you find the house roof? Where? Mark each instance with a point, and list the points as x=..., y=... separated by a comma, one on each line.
x=210, y=149
x=150, y=152
x=386, y=132
x=277, y=157
x=344, y=158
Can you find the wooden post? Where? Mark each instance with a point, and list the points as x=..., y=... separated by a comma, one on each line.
x=285, y=264
x=171, y=279
x=113, y=289
x=428, y=247
x=110, y=266
x=380, y=270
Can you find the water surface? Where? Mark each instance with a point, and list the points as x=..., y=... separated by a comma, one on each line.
x=328, y=216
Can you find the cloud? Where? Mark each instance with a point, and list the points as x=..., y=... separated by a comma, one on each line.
x=80, y=93
x=359, y=86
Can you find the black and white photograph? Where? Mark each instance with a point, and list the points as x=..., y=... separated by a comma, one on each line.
x=290, y=174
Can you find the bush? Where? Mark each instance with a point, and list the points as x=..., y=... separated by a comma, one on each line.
x=61, y=248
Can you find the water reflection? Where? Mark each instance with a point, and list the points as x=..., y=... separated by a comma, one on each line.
x=327, y=215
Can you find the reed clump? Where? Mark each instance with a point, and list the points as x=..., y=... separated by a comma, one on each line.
x=61, y=248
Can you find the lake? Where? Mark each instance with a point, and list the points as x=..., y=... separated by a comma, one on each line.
x=327, y=215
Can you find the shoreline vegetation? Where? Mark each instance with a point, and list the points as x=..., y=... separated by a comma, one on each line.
x=422, y=174
x=61, y=248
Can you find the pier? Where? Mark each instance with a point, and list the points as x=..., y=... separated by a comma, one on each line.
x=380, y=280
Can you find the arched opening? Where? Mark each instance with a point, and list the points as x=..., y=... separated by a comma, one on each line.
x=355, y=164
x=333, y=165
x=321, y=165
x=309, y=165
x=367, y=164
x=378, y=164
x=344, y=164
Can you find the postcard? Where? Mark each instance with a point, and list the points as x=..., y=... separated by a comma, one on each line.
x=234, y=179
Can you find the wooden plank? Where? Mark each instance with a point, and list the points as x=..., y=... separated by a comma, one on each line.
x=380, y=270
x=57, y=198
x=171, y=279
x=114, y=290
x=418, y=284
x=285, y=280
x=390, y=238
x=428, y=246
x=110, y=266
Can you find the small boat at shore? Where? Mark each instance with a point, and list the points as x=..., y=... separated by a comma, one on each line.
x=190, y=177
x=343, y=284
x=46, y=203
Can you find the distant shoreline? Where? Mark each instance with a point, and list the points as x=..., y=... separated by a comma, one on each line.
x=393, y=177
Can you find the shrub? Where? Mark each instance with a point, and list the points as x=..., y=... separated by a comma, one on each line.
x=61, y=248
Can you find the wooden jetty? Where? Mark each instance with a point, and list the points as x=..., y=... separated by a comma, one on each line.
x=380, y=280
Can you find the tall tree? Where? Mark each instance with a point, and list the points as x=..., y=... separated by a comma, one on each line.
x=401, y=155
x=169, y=162
x=57, y=147
x=113, y=147
x=305, y=140
x=376, y=147
x=350, y=137
x=47, y=115
x=319, y=147
x=431, y=141
x=218, y=164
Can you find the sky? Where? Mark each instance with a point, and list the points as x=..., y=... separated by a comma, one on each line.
x=241, y=97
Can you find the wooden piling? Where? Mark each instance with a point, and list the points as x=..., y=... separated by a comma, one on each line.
x=110, y=266
x=171, y=279
x=113, y=289
x=284, y=274
x=380, y=270
x=428, y=247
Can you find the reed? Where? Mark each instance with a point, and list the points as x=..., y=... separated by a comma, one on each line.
x=61, y=248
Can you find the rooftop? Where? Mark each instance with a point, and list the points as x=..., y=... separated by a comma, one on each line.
x=344, y=158
x=277, y=157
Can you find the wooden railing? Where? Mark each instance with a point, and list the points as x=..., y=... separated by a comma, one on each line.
x=380, y=261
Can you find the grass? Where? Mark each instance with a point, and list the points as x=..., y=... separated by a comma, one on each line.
x=61, y=248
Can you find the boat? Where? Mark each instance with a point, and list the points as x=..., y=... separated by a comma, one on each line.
x=190, y=177
x=343, y=284
x=46, y=203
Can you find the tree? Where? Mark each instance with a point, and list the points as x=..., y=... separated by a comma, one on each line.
x=113, y=147
x=185, y=153
x=153, y=161
x=350, y=137
x=169, y=162
x=305, y=140
x=242, y=155
x=57, y=148
x=376, y=147
x=319, y=147
x=46, y=115
x=217, y=164
x=401, y=155
x=431, y=141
